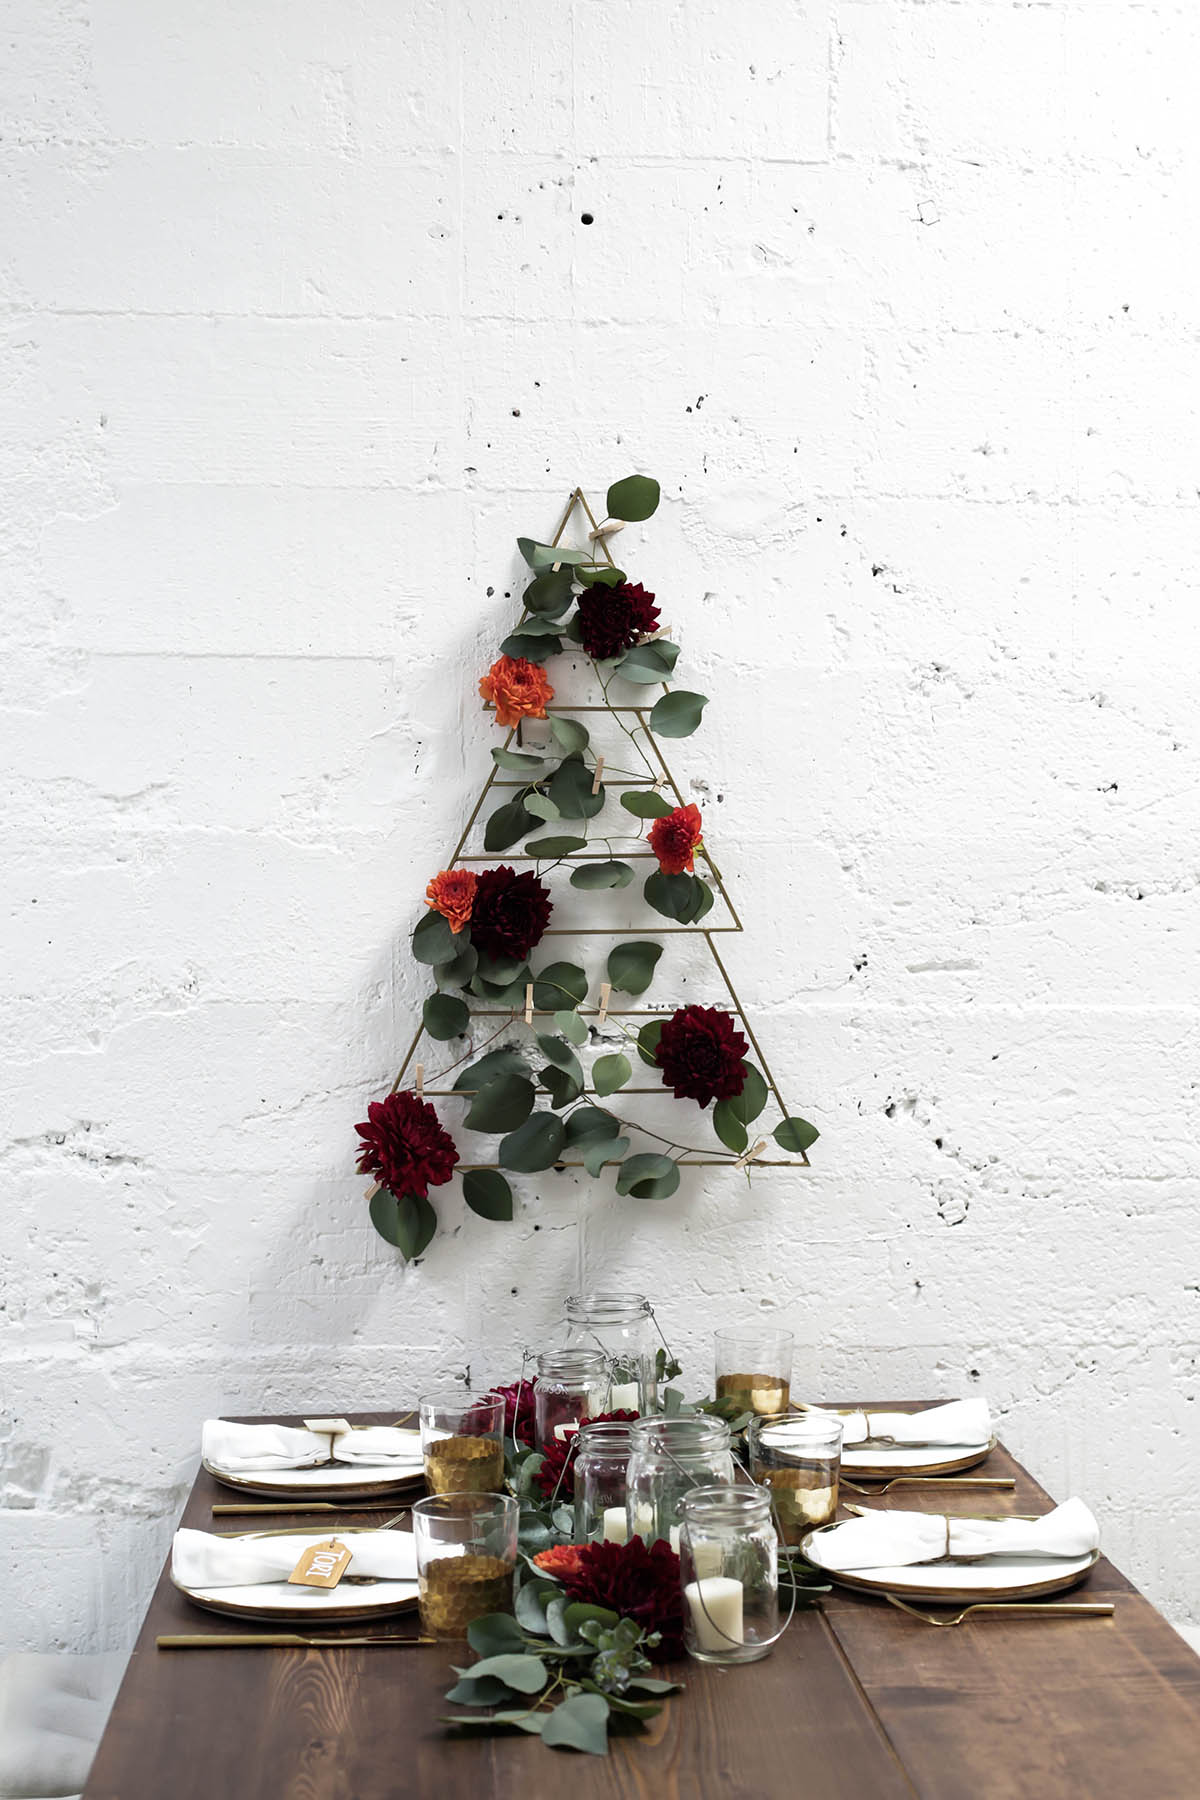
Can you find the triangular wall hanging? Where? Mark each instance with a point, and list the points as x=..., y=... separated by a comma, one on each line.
x=491, y=908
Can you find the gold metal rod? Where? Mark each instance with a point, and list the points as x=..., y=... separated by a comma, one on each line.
x=634, y=930
x=608, y=780
x=750, y=1032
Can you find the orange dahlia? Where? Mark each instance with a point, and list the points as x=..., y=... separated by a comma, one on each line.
x=517, y=688
x=452, y=893
x=674, y=838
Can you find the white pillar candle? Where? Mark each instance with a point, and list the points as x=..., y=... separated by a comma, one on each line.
x=715, y=1604
x=706, y=1558
x=615, y=1525
x=643, y=1521
x=624, y=1398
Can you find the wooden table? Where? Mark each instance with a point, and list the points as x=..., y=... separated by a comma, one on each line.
x=856, y=1703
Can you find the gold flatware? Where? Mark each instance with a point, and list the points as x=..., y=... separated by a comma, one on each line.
x=870, y=1512
x=282, y=1640
x=288, y=1531
x=306, y=1506
x=950, y=1481
x=1031, y=1609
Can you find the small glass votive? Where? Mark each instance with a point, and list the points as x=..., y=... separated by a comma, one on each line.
x=462, y=1441
x=754, y=1369
x=466, y=1559
x=571, y=1386
x=729, y=1568
x=798, y=1457
x=601, y=1459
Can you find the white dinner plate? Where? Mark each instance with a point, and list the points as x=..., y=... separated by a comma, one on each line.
x=909, y=1459
x=995, y=1578
x=321, y=1481
x=348, y=1601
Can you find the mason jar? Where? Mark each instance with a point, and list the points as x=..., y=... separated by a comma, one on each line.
x=571, y=1385
x=729, y=1570
x=622, y=1326
x=601, y=1459
x=670, y=1457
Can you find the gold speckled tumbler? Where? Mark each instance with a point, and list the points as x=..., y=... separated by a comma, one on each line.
x=466, y=1559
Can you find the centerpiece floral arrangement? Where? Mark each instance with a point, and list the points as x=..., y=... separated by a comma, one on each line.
x=483, y=925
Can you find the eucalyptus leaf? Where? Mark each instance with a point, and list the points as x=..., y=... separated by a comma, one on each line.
x=595, y=1152
x=677, y=714
x=570, y=788
x=729, y=1128
x=535, y=1145
x=544, y=556
x=683, y=897
x=747, y=1105
x=523, y=1720
x=485, y=1692
x=549, y=593
x=569, y=733
x=541, y=806
x=445, y=1016
x=534, y=649
x=507, y=825
x=408, y=1222
x=493, y=1634
x=505, y=1061
x=580, y=1723
x=633, y=499
x=646, y=663
x=531, y=1601
x=580, y=1612
x=560, y=1054
x=631, y=966
x=502, y=1105
x=526, y=1674
x=648, y=1177
x=562, y=1086
x=554, y=847
x=500, y=970
x=517, y=762
x=647, y=1041
x=557, y=984
x=651, y=1684
x=599, y=574
x=488, y=1194
x=590, y=1122
x=573, y=1026
x=433, y=941
x=556, y=1621
x=539, y=625
x=459, y=970
x=610, y=1073
x=602, y=875
x=646, y=803
x=795, y=1135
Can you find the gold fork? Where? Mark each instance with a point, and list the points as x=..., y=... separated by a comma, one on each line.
x=1028, y=1609
x=950, y=1481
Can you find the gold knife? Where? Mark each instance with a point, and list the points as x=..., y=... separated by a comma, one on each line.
x=309, y=1506
x=286, y=1640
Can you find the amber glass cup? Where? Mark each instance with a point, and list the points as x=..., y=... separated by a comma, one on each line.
x=462, y=1441
x=754, y=1369
x=466, y=1559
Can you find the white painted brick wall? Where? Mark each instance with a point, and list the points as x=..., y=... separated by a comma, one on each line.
x=300, y=326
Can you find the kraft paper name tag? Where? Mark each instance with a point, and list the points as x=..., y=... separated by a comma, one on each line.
x=322, y=1565
x=328, y=1426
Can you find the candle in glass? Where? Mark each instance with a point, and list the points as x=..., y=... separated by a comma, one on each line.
x=571, y=1386
x=728, y=1568
x=754, y=1369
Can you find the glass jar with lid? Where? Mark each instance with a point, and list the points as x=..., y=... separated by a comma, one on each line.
x=571, y=1385
x=622, y=1327
x=670, y=1457
x=729, y=1568
x=601, y=1460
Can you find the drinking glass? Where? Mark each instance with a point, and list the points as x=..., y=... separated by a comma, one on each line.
x=799, y=1458
x=462, y=1440
x=466, y=1558
x=754, y=1368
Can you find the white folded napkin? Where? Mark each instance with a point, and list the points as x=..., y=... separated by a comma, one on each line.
x=199, y=1560
x=958, y=1422
x=893, y=1540
x=243, y=1449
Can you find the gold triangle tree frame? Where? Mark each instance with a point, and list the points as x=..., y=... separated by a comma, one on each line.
x=599, y=1012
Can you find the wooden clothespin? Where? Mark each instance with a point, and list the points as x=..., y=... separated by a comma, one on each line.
x=597, y=775
x=420, y=1080
x=372, y=1191
x=605, y=997
x=609, y=528
x=749, y=1155
x=529, y=1003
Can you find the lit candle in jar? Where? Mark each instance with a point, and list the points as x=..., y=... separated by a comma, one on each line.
x=706, y=1558
x=563, y=1432
x=615, y=1525
x=715, y=1603
x=625, y=1397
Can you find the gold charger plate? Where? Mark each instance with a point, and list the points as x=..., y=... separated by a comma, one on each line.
x=953, y=1585
x=347, y=1492
x=954, y=1465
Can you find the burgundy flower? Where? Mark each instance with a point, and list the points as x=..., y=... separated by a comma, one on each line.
x=518, y=1413
x=638, y=1581
x=405, y=1145
x=557, y=1461
x=700, y=1055
x=510, y=912
x=611, y=619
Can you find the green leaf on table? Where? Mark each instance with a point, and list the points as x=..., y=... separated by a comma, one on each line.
x=522, y=1720
x=573, y=1026
x=559, y=984
x=535, y=648
x=507, y=824
x=476, y=1075
x=579, y=1612
x=459, y=970
x=596, y=1152
x=729, y=1128
x=646, y=804
x=535, y=1145
x=677, y=714
x=554, y=847
x=795, y=1135
x=570, y=788
x=572, y=736
x=602, y=875
x=610, y=1073
x=580, y=1723
x=502, y=1105
x=647, y=1041
x=433, y=941
x=590, y=1122
x=648, y=1177
x=485, y=1692
x=541, y=806
x=518, y=762
x=556, y=1620
x=445, y=1016
x=747, y=1105
x=631, y=967
x=494, y=1634
x=527, y=1674
x=633, y=499
x=408, y=1222
x=488, y=1194
x=530, y=1605
x=651, y=1684
x=544, y=556
x=649, y=662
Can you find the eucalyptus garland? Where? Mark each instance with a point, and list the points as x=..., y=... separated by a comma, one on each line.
x=482, y=926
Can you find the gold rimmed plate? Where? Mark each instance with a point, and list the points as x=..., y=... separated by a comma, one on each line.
x=332, y=1481
x=881, y=1461
x=347, y=1604
x=993, y=1578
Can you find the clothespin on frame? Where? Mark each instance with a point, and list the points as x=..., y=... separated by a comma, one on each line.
x=609, y=528
x=420, y=1080
x=605, y=997
x=749, y=1155
x=597, y=775
x=529, y=1003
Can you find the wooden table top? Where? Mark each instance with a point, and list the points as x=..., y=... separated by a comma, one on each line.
x=857, y=1702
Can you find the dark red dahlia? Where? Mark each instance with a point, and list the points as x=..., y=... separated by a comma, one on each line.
x=518, y=1413
x=405, y=1145
x=640, y=1582
x=557, y=1461
x=510, y=912
x=700, y=1054
x=612, y=619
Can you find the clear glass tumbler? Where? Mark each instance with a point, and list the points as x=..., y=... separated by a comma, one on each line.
x=571, y=1386
x=729, y=1568
x=462, y=1441
x=466, y=1558
x=670, y=1457
x=799, y=1458
x=622, y=1327
x=754, y=1369
x=601, y=1459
